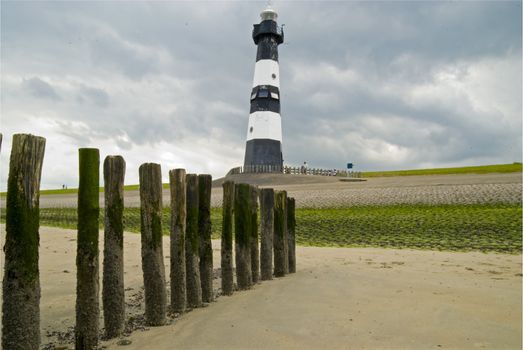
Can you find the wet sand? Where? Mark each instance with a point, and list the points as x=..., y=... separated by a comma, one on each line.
x=340, y=298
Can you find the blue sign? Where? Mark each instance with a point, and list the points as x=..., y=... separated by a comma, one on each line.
x=349, y=165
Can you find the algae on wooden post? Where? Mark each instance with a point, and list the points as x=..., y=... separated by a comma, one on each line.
x=113, y=295
x=152, y=248
x=242, y=228
x=178, y=217
x=280, y=237
x=255, y=251
x=192, y=244
x=204, y=228
x=87, y=278
x=291, y=230
x=227, y=239
x=285, y=235
x=21, y=283
x=267, y=232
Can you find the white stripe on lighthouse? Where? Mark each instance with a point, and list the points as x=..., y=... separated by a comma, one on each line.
x=266, y=72
x=264, y=125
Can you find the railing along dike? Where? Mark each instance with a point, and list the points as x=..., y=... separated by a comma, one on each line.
x=292, y=170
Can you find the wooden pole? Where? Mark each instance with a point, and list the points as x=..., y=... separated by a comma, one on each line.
x=21, y=283
x=178, y=217
x=226, y=251
x=291, y=229
x=113, y=295
x=267, y=232
x=192, y=244
x=242, y=223
x=204, y=228
x=152, y=247
x=280, y=237
x=285, y=235
x=255, y=250
x=87, y=279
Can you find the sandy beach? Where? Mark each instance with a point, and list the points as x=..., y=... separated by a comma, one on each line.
x=340, y=298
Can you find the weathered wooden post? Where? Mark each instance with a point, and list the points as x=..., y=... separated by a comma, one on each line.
x=226, y=251
x=178, y=217
x=285, y=235
x=291, y=230
x=281, y=260
x=152, y=248
x=113, y=295
x=242, y=224
x=255, y=250
x=21, y=283
x=192, y=244
x=267, y=232
x=87, y=279
x=204, y=228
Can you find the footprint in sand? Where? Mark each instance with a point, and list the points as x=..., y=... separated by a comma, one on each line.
x=384, y=265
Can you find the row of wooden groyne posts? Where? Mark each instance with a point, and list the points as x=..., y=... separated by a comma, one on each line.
x=191, y=262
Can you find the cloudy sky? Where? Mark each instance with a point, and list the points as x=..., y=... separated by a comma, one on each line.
x=385, y=85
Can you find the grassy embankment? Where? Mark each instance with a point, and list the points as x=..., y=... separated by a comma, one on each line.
x=483, y=169
x=487, y=228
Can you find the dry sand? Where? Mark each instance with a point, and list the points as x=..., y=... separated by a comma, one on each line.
x=340, y=298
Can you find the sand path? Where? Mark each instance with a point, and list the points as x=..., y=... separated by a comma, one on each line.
x=341, y=298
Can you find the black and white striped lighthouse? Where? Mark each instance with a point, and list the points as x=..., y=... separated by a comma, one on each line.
x=264, y=136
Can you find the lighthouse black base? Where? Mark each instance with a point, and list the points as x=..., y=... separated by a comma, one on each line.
x=263, y=155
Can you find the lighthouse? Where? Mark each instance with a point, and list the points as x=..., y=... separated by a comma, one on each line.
x=263, y=151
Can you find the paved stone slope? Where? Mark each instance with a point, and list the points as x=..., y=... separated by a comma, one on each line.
x=316, y=191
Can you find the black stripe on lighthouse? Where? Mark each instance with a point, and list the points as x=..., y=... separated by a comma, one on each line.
x=265, y=98
x=267, y=35
x=267, y=49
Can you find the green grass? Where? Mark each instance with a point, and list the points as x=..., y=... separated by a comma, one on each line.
x=487, y=228
x=75, y=190
x=483, y=169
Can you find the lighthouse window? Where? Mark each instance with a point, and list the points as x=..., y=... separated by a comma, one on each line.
x=274, y=95
x=250, y=130
x=263, y=93
x=253, y=96
x=273, y=76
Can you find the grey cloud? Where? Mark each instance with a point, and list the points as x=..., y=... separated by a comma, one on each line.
x=41, y=89
x=93, y=95
x=116, y=55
